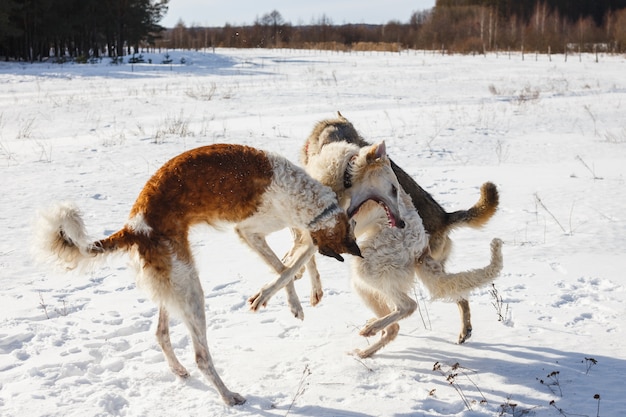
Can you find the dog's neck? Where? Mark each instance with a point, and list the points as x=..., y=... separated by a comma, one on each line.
x=347, y=174
x=331, y=209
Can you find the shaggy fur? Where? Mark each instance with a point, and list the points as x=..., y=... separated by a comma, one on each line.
x=437, y=222
x=385, y=274
x=371, y=178
x=391, y=258
x=258, y=191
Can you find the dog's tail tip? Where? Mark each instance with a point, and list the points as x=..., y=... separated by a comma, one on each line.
x=481, y=212
x=487, y=205
x=497, y=262
x=61, y=238
x=496, y=244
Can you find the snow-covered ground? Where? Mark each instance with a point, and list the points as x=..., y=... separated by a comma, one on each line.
x=551, y=134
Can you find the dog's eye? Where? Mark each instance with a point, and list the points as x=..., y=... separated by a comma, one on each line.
x=394, y=190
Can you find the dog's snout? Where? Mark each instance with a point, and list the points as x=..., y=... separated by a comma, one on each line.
x=328, y=251
x=400, y=224
x=353, y=249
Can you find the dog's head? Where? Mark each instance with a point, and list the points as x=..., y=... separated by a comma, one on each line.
x=372, y=179
x=337, y=239
x=328, y=131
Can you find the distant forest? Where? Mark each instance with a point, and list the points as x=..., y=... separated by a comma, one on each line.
x=32, y=30
x=82, y=30
x=455, y=26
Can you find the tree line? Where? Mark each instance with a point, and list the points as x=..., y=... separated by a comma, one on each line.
x=537, y=25
x=33, y=30
x=463, y=26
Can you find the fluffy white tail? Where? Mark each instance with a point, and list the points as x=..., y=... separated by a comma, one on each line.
x=60, y=234
x=452, y=286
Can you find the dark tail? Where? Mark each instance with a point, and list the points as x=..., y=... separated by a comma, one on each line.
x=479, y=213
x=61, y=234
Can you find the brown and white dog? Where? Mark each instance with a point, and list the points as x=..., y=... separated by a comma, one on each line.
x=258, y=191
x=437, y=222
x=392, y=256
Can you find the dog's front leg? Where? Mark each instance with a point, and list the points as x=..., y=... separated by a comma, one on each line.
x=258, y=243
x=316, y=284
x=285, y=279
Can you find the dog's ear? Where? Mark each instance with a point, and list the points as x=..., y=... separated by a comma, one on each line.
x=377, y=151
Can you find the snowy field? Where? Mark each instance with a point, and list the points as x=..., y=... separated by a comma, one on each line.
x=549, y=341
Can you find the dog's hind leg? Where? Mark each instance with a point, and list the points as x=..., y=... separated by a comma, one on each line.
x=388, y=334
x=189, y=299
x=163, y=337
x=466, y=320
x=386, y=318
x=404, y=307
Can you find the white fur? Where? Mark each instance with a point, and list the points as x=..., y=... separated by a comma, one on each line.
x=293, y=199
x=48, y=245
x=139, y=225
x=391, y=256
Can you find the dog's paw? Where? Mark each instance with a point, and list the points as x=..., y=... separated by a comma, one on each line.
x=232, y=398
x=370, y=329
x=297, y=311
x=464, y=336
x=180, y=371
x=256, y=301
x=356, y=352
x=294, y=303
x=316, y=296
x=362, y=354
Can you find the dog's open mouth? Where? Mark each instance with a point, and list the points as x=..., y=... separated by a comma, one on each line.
x=391, y=219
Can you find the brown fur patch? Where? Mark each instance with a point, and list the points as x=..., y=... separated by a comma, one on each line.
x=339, y=239
x=198, y=186
x=201, y=185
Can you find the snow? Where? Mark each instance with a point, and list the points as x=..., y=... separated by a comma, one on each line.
x=549, y=132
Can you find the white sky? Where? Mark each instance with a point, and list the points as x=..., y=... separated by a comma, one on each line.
x=238, y=12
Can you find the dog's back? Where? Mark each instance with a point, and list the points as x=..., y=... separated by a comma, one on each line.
x=328, y=131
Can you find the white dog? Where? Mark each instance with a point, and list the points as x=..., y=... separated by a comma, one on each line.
x=392, y=256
